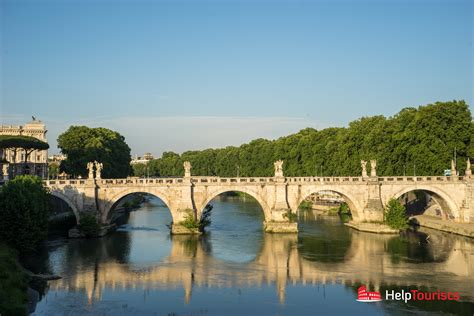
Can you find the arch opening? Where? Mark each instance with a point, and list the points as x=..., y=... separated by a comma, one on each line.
x=326, y=202
x=61, y=216
x=426, y=202
x=235, y=233
x=122, y=210
x=142, y=221
x=322, y=235
x=64, y=199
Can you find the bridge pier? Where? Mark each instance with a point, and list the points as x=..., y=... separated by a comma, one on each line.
x=373, y=210
x=280, y=227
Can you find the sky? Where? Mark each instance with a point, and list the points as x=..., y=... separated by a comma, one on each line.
x=182, y=75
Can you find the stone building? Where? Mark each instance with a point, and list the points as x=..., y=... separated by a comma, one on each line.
x=147, y=157
x=37, y=162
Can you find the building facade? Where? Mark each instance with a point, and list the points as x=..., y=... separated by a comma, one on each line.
x=14, y=160
x=147, y=157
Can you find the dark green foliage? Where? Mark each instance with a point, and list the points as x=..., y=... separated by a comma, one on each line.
x=25, y=142
x=344, y=209
x=24, y=208
x=13, y=283
x=306, y=205
x=53, y=170
x=192, y=224
x=292, y=217
x=89, y=225
x=415, y=140
x=139, y=170
x=395, y=215
x=82, y=144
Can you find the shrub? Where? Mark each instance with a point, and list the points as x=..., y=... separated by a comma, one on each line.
x=89, y=225
x=395, y=216
x=344, y=209
x=13, y=283
x=192, y=224
x=24, y=208
x=306, y=205
x=292, y=217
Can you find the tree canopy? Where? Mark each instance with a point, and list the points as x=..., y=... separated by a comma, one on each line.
x=417, y=141
x=24, y=207
x=82, y=144
x=27, y=143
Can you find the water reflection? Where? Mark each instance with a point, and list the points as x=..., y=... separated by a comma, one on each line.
x=325, y=256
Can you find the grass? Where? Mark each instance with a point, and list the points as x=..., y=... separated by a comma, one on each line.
x=13, y=283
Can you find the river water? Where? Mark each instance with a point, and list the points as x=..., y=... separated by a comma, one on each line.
x=236, y=269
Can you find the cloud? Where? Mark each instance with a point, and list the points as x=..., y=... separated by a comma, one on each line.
x=181, y=133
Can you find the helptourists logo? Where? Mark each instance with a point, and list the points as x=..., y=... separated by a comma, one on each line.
x=368, y=297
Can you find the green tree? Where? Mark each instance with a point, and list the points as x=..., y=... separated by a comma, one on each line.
x=416, y=140
x=82, y=144
x=395, y=215
x=53, y=169
x=139, y=169
x=24, y=209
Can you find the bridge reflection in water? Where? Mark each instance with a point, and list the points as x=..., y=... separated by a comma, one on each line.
x=357, y=258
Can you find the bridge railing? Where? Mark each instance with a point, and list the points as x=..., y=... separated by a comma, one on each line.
x=251, y=180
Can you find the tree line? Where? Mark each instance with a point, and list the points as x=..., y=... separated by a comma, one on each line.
x=420, y=141
x=415, y=141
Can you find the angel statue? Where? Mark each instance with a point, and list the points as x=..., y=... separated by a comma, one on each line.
x=363, y=163
x=90, y=167
x=98, y=168
x=278, y=168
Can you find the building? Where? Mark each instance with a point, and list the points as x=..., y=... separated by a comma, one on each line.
x=14, y=163
x=147, y=157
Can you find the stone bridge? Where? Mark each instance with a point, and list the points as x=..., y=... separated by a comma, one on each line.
x=278, y=196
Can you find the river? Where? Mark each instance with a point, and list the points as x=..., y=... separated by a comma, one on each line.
x=236, y=269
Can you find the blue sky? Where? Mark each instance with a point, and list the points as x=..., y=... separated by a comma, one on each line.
x=177, y=75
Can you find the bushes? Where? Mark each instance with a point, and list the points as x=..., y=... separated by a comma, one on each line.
x=13, y=283
x=89, y=225
x=292, y=217
x=192, y=224
x=306, y=205
x=24, y=209
x=395, y=216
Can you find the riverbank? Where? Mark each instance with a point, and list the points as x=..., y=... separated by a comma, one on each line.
x=13, y=283
x=463, y=229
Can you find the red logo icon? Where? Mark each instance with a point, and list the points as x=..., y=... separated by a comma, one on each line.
x=367, y=297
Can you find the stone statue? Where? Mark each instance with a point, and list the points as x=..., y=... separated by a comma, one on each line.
x=453, y=168
x=90, y=167
x=468, y=167
x=373, y=168
x=187, y=169
x=5, y=171
x=363, y=163
x=98, y=169
x=278, y=168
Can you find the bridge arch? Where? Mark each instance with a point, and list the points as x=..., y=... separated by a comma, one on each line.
x=214, y=193
x=64, y=198
x=441, y=197
x=356, y=209
x=112, y=202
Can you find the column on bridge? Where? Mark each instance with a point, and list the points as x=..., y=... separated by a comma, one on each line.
x=183, y=206
x=281, y=220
